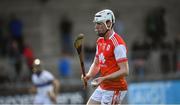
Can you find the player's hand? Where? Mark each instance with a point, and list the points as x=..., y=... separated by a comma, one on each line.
x=85, y=78
x=96, y=82
x=52, y=96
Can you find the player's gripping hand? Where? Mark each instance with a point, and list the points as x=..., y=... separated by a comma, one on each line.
x=85, y=78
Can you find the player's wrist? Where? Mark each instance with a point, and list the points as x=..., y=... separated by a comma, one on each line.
x=88, y=76
x=105, y=77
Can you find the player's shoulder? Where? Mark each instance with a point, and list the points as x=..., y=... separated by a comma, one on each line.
x=46, y=72
x=116, y=39
x=100, y=39
x=115, y=36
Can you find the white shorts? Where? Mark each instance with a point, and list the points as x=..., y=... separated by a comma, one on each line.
x=42, y=100
x=106, y=96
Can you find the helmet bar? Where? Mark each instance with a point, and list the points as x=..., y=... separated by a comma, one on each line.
x=104, y=16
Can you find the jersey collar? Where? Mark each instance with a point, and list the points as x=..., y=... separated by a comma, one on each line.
x=111, y=35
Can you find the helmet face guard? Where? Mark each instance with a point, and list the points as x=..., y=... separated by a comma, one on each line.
x=104, y=16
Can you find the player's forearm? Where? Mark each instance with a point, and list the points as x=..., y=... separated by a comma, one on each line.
x=124, y=71
x=94, y=69
x=119, y=73
x=56, y=85
x=52, y=96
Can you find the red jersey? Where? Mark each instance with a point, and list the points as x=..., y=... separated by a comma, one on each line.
x=110, y=52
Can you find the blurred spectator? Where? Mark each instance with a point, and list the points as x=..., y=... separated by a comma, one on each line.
x=1, y=36
x=65, y=65
x=89, y=51
x=118, y=26
x=139, y=67
x=166, y=58
x=15, y=30
x=16, y=57
x=29, y=57
x=65, y=27
x=156, y=27
x=177, y=54
x=3, y=39
x=140, y=53
x=3, y=75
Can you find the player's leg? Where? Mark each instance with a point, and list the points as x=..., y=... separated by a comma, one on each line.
x=96, y=97
x=38, y=100
x=93, y=102
x=121, y=96
x=107, y=97
x=112, y=97
x=42, y=100
x=47, y=101
x=118, y=97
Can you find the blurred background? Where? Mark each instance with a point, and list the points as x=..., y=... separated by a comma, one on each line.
x=46, y=29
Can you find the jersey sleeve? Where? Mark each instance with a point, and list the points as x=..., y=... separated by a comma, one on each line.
x=120, y=53
x=49, y=76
